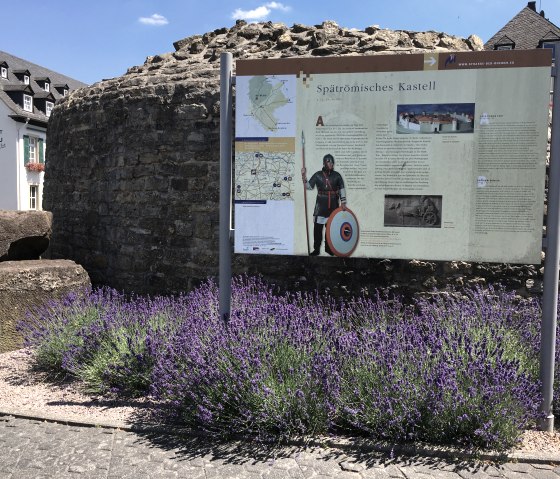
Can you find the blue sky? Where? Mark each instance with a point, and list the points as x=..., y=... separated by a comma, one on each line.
x=100, y=39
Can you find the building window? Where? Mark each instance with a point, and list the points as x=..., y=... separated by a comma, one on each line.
x=47, y=86
x=4, y=72
x=504, y=47
x=26, y=79
x=65, y=92
x=32, y=149
x=552, y=45
x=48, y=108
x=33, y=195
x=27, y=103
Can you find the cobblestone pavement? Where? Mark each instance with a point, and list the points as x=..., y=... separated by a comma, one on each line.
x=35, y=449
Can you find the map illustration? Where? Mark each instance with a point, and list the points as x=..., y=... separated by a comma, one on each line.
x=265, y=106
x=264, y=175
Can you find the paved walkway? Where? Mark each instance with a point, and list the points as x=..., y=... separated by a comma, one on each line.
x=36, y=449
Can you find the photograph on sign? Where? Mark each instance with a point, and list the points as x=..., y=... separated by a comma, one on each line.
x=442, y=118
x=417, y=211
x=387, y=157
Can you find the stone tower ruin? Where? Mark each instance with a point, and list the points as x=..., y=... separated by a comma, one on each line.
x=133, y=162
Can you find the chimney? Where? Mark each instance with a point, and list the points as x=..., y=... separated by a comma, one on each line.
x=532, y=6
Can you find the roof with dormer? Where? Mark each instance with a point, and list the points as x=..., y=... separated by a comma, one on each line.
x=44, y=95
x=526, y=30
x=18, y=87
x=36, y=72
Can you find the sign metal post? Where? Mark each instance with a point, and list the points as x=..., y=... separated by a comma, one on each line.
x=226, y=130
x=550, y=286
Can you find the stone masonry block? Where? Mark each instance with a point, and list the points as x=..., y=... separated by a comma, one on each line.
x=24, y=234
x=26, y=285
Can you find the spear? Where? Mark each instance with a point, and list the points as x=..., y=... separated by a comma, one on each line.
x=305, y=191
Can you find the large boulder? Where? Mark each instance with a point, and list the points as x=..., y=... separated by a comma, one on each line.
x=26, y=285
x=24, y=235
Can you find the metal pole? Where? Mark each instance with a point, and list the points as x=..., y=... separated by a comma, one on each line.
x=305, y=192
x=226, y=130
x=550, y=286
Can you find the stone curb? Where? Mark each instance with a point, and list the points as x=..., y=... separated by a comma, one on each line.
x=410, y=450
x=443, y=452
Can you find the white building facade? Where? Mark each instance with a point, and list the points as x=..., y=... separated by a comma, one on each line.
x=28, y=94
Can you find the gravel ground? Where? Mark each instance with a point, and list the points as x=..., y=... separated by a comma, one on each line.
x=29, y=392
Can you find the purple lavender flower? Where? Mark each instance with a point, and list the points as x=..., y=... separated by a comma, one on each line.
x=458, y=368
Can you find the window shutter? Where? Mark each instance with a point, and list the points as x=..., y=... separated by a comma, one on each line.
x=41, y=151
x=25, y=149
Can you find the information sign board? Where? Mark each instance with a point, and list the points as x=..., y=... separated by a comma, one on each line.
x=438, y=156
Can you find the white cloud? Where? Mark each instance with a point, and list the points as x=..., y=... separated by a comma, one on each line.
x=278, y=6
x=259, y=13
x=155, y=19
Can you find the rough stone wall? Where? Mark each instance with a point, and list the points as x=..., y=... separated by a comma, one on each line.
x=133, y=163
x=134, y=178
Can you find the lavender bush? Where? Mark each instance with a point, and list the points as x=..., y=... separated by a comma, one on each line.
x=102, y=338
x=458, y=368
x=271, y=370
x=454, y=371
x=56, y=329
x=118, y=354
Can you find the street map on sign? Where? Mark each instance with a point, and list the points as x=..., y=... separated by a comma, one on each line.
x=264, y=175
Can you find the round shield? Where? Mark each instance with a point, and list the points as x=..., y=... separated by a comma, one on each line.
x=342, y=232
